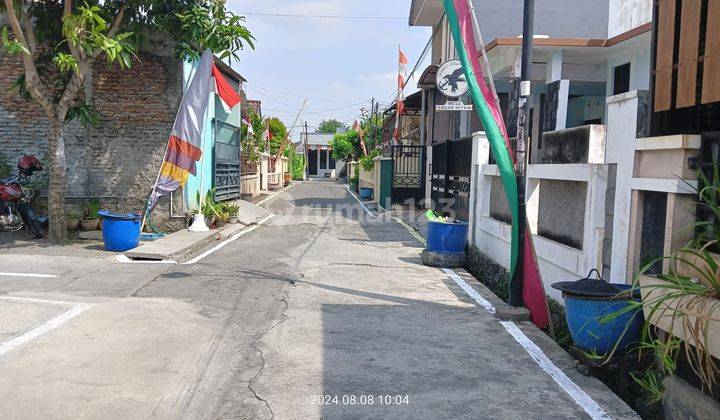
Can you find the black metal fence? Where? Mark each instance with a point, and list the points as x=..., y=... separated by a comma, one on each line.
x=451, y=171
x=407, y=177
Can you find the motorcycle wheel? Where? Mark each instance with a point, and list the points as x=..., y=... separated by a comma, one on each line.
x=28, y=214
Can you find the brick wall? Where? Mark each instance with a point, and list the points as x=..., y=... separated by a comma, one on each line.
x=118, y=160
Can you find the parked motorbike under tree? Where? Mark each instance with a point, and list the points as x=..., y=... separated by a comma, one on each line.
x=16, y=211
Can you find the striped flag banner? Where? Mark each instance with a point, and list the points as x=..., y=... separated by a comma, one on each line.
x=460, y=19
x=400, y=101
x=184, y=147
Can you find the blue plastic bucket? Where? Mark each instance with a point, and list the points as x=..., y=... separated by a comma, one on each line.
x=366, y=193
x=447, y=238
x=583, y=316
x=121, y=232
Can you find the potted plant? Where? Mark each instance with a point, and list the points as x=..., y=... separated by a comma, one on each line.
x=90, y=218
x=368, y=164
x=232, y=211
x=210, y=209
x=222, y=214
x=72, y=220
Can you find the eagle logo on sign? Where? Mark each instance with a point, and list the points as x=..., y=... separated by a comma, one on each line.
x=451, y=79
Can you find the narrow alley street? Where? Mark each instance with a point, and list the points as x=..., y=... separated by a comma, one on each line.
x=323, y=311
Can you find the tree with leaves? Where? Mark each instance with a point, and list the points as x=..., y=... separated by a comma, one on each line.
x=372, y=125
x=346, y=146
x=329, y=126
x=278, y=133
x=253, y=144
x=59, y=42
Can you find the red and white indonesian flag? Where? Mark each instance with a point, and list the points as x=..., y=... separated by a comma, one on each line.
x=399, y=102
x=228, y=96
x=184, y=148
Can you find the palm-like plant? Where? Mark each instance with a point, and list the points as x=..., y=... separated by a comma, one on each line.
x=686, y=301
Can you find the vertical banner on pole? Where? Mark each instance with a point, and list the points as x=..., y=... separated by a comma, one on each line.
x=461, y=23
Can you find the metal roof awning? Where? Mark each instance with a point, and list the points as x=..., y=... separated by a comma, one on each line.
x=428, y=77
x=412, y=102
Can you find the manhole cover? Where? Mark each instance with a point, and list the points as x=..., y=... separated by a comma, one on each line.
x=175, y=275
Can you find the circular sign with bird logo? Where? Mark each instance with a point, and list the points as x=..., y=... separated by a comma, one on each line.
x=451, y=79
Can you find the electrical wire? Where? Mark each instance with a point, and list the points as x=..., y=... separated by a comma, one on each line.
x=289, y=15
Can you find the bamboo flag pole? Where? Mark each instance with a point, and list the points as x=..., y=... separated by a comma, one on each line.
x=287, y=137
x=146, y=211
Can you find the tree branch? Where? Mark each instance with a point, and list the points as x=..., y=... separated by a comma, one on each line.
x=33, y=83
x=76, y=52
x=114, y=26
x=85, y=66
x=29, y=33
x=117, y=20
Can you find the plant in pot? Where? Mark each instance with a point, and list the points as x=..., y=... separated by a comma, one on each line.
x=72, y=221
x=210, y=209
x=90, y=219
x=232, y=210
x=682, y=306
x=222, y=214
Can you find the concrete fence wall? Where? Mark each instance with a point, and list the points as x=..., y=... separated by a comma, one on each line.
x=368, y=179
x=250, y=183
x=565, y=207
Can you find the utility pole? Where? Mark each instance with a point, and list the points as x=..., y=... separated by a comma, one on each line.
x=372, y=119
x=374, y=123
x=306, y=175
x=516, y=286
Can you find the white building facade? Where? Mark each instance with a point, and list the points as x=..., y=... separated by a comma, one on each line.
x=590, y=129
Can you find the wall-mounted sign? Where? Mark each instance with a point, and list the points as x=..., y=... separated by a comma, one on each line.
x=451, y=80
x=454, y=106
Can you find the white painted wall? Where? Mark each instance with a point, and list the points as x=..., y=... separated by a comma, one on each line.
x=621, y=135
x=639, y=59
x=557, y=262
x=625, y=15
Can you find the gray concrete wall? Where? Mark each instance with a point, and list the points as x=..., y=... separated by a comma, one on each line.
x=499, y=208
x=118, y=160
x=556, y=18
x=561, y=213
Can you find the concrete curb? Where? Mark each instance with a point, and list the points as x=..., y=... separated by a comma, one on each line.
x=203, y=240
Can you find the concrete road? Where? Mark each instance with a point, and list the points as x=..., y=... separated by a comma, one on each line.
x=320, y=312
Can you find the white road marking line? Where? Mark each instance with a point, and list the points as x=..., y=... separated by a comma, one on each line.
x=42, y=276
x=44, y=328
x=266, y=199
x=125, y=260
x=410, y=229
x=364, y=207
x=232, y=239
x=571, y=388
x=52, y=302
x=566, y=384
x=484, y=303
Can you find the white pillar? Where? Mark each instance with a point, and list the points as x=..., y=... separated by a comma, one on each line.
x=563, y=95
x=480, y=158
x=553, y=69
x=264, y=172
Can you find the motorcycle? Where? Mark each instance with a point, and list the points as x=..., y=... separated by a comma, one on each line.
x=15, y=209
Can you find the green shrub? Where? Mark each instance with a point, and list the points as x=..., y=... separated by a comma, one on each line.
x=367, y=162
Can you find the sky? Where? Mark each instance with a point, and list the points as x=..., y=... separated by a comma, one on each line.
x=339, y=64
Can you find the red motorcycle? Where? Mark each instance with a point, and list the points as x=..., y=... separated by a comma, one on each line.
x=15, y=209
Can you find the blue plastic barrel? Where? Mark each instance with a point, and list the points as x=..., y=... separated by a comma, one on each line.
x=121, y=232
x=366, y=193
x=448, y=238
x=584, y=315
